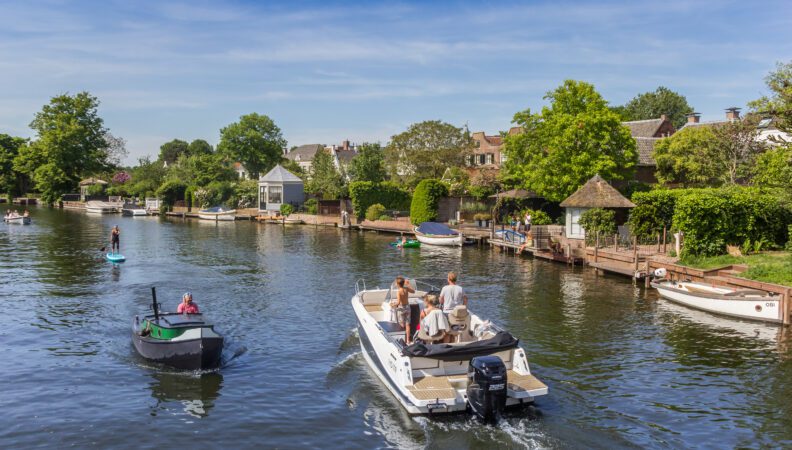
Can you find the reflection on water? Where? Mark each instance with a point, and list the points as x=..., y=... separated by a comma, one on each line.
x=196, y=393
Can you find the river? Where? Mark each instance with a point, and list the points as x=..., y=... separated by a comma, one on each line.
x=625, y=369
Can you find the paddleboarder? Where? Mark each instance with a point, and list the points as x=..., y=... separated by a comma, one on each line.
x=115, y=243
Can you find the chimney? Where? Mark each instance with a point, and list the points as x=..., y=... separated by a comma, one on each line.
x=346, y=144
x=693, y=117
x=732, y=114
x=663, y=117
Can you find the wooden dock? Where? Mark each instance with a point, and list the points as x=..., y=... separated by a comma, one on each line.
x=542, y=253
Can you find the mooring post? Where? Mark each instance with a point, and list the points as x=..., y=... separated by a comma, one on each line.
x=664, y=238
x=635, y=252
x=596, y=247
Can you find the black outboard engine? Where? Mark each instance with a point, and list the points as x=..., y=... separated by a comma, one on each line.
x=486, y=389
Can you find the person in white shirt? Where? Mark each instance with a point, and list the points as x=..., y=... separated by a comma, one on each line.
x=452, y=294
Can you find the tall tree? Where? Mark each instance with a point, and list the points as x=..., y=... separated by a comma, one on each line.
x=199, y=147
x=255, y=141
x=171, y=151
x=71, y=143
x=737, y=146
x=325, y=179
x=779, y=104
x=368, y=164
x=10, y=179
x=574, y=138
x=200, y=170
x=426, y=150
x=651, y=105
x=774, y=169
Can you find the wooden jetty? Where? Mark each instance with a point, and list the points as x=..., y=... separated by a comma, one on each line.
x=25, y=201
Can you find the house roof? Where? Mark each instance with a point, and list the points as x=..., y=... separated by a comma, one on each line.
x=645, y=147
x=597, y=193
x=305, y=152
x=280, y=175
x=90, y=181
x=515, y=193
x=644, y=128
x=345, y=156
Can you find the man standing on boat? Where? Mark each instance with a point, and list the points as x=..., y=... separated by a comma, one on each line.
x=115, y=235
x=402, y=306
x=452, y=294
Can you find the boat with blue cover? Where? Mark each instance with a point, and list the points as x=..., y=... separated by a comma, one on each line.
x=434, y=233
x=183, y=341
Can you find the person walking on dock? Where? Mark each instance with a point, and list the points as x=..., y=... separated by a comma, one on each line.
x=115, y=239
x=452, y=294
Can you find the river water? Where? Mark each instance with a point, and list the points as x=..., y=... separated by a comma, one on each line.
x=624, y=368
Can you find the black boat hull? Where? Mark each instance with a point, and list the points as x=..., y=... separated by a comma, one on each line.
x=193, y=354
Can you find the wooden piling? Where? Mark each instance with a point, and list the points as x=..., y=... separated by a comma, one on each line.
x=664, y=238
x=635, y=252
x=596, y=247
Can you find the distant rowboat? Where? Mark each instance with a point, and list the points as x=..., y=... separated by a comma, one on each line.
x=217, y=213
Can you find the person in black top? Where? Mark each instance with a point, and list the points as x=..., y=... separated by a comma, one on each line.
x=115, y=234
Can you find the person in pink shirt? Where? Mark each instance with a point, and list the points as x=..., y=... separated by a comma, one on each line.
x=187, y=306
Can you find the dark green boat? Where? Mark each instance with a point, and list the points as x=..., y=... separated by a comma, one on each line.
x=183, y=341
x=411, y=243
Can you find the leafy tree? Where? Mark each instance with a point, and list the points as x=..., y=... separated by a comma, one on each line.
x=200, y=170
x=171, y=191
x=573, y=139
x=255, y=141
x=774, y=168
x=325, y=179
x=426, y=150
x=10, y=179
x=245, y=194
x=651, y=105
x=426, y=200
x=293, y=167
x=622, y=112
x=199, y=147
x=737, y=146
x=71, y=143
x=147, y=176
x=368, y=164
x=171, y=151
x=779, y=104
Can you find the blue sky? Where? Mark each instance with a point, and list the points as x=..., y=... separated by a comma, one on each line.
x=329, y=71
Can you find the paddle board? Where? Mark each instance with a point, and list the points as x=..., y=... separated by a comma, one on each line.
x=115, y=257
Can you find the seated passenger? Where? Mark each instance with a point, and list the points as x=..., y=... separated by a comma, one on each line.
x=434, y=324
x=187, y=306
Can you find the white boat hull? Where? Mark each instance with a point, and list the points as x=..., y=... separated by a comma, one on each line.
x=134, y=212
x=762, y=308
x=21, y=220
x=397, y=371
x=446, y=241
x=97, y=207
x=223, y=216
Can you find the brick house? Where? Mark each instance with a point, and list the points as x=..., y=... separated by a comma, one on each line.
x=646, y=134
x=487, y=153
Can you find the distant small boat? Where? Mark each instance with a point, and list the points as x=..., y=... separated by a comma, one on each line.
x=434, y=233
x=19, y=220
x=411, y=243
x=217, y=213
x=115, y=257
x=743, y=303
x=134, y=211
x=99, y=207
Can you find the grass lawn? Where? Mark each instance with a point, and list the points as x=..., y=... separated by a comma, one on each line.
x=772, y=267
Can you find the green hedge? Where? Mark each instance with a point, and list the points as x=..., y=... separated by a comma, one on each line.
x=171, y=191
x=375, y=211
x=311, y=206
x=713, y=218
x=426, y=200
x=653, y=211
x=367, y=193
x=598, y=220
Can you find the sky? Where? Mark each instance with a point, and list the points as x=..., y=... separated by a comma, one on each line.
x=364, y=71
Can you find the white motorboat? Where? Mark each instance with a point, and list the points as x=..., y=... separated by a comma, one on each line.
x=99, y=207
x=17, y=219
x=483, y=368
x=434, y=233
x=743, y=303
x=134, y=211
x=217, y=213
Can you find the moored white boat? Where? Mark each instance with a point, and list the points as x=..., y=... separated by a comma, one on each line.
x=217, y=213
x=134, y=211
x=17, y=219
x=742, y=303
x=99, y=207
x=433, y=233
x=441, y=378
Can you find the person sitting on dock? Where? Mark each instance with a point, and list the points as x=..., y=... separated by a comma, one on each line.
x=452, y=294
x=115, y=235
x=402, y=306
x=187, y=306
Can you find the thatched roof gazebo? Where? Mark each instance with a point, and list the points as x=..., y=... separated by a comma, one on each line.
x=596, y=193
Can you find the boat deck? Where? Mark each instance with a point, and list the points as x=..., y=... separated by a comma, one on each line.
x=442, y=387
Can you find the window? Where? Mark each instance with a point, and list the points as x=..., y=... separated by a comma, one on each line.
x=574, y=230
x=490, y=158
x=469, y=160
x=481, y=159
x=275, y=194
x=262, y=198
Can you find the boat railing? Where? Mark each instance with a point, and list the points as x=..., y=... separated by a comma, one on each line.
x=360, y=282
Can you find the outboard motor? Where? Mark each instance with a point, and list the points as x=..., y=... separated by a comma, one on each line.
x=486, y=391
x=660, y=273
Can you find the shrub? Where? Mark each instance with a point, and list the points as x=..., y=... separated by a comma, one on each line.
x=96, y=189
x=653, y=211
x=286, y=209
x=375, y=211
x=189, y=196
x=426, y=200
x=312, y=206
x=384, y=217
x=482, y=216
x=171, y=191
x=598, y=220
x=367, y=193
x=789, y=238
x=713, y=218
x=245, y=194
x=538, y=217
x=475, y=207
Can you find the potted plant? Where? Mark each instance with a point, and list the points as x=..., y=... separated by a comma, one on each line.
x=482, y=220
